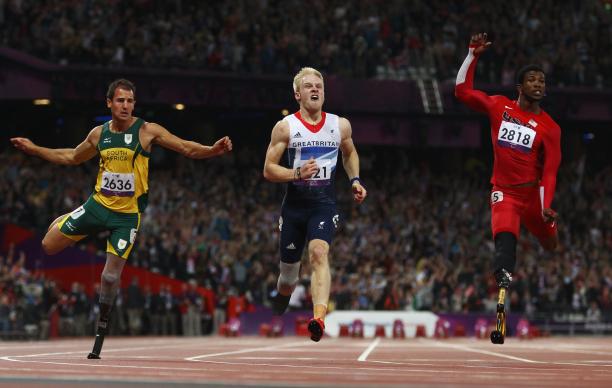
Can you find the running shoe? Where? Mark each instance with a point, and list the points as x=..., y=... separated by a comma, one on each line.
x=316, y=327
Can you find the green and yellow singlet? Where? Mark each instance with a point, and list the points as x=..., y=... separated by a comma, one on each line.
x=122, y=184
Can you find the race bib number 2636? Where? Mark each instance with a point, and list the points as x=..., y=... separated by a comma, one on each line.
x=121, y=185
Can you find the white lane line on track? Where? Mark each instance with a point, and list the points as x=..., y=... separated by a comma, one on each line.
x=181, y=345
x=403, y=363
x=561, y=348
x=435, y=361
x=279, y=358
x=96, y=365
x=265, y=348
x=468, y=349
x=578, y=364
x=480, y=366
x=367, y=352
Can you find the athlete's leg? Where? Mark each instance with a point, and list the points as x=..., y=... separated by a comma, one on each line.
x=109, y=286
x=110, y=282
x=546, y=233
x=55, y=222
x=505, y=263
x=292, y=238
x=505, y=258
x=322, y=225
x=505, y=226
x=320, y=284
x=550, y=243
x=288, y=279
x=124, y=228
x=55, y=241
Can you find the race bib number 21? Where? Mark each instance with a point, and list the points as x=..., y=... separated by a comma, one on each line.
x=321, y=177
x=324, y=171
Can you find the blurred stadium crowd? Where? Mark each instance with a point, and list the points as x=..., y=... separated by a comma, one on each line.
x=421, y=241
x=359, y=39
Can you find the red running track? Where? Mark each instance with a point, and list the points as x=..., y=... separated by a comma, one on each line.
x=296, y=361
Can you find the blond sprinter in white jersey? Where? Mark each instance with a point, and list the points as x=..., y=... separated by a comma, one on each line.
x=311, y=138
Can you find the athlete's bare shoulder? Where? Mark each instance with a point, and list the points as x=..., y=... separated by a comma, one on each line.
x=281, y=125
x=149, y=126
x=93, y=137
x=279, y=140
x=346, y=130
x=280, y=131
x=96, y=131
x=343, y=122
x=148, y=132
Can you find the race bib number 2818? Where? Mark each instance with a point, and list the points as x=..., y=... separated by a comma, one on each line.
x=516, y=136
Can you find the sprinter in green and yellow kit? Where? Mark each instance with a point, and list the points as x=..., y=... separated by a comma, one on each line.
x=120, y=193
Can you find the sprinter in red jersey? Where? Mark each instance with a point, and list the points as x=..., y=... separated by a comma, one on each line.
x=527, y=154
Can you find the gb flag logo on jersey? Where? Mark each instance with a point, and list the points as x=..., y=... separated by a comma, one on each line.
x=128, y=138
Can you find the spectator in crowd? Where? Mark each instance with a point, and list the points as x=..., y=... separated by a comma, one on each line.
x=220, y=314
x=167, y=309
x=134, y=306
x=66, y=315
x=147, y=310
x=80, y=303
x=191, y=309
x=5, y=316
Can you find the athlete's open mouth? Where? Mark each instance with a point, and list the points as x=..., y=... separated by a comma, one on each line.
x=314, y=97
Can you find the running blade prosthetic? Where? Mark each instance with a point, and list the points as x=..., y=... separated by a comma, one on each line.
x=97, y=348
x=499, y=334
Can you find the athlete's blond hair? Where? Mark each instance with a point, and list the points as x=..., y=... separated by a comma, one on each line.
x=304, y=71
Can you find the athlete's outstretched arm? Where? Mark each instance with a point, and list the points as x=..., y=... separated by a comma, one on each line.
x=191, y=149
x=273, y=171
x=464, y=85
x=350, y=160
x=83, y=152
x=552, y=160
